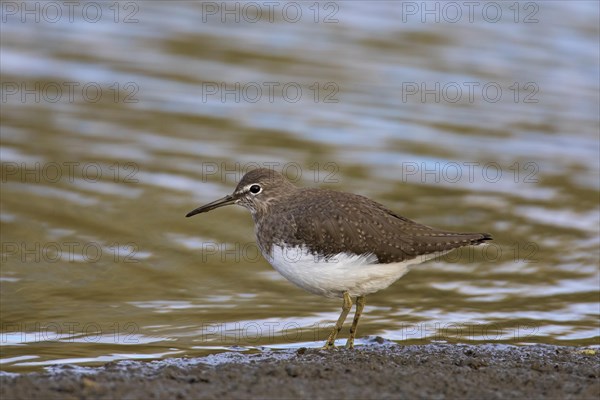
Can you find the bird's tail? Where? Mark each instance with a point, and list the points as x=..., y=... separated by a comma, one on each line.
x=484, y=238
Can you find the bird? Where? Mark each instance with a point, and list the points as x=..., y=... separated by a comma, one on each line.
x=335, y=244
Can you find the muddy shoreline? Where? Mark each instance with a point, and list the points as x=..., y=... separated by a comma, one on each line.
x=432, y=371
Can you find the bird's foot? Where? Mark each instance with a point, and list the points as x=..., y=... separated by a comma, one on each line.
x=329, y=346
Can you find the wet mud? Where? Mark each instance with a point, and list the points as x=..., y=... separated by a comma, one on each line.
x=377, y=371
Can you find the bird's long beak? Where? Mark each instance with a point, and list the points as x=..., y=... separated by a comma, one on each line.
x=225, y=201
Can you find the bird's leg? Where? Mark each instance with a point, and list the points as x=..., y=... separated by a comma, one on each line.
x=360, y=304
x=346, y=306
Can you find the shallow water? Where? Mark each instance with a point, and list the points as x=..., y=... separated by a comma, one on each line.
x=112, y=131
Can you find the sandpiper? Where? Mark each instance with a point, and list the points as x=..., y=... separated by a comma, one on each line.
x=335, y=244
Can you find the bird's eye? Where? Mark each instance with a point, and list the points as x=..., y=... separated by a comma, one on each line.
x=255, y=189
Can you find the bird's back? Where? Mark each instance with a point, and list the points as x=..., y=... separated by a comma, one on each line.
x=333, y=223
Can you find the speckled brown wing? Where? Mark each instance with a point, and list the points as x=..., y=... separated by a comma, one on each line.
x=336, y=222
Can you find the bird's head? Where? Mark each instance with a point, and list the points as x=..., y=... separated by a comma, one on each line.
x=257, y=189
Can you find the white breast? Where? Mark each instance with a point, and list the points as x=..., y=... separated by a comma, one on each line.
x=357, y=274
